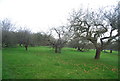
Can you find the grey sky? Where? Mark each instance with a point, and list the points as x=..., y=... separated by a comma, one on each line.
x=40, y=15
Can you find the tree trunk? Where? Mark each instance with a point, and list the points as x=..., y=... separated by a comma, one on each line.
x=26, y=48
x=56, y=49
x=98, y=51
x=20, y=45
x=78, y=48
x=110, y=51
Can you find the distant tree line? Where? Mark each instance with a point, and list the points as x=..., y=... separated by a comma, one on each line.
x=11, y=37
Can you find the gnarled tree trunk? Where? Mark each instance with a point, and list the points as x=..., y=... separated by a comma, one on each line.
x=98, y=51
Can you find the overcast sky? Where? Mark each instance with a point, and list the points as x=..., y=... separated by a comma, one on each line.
x=40, y=15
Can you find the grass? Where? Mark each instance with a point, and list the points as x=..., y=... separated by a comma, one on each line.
x=43, y=63
x=0, y=64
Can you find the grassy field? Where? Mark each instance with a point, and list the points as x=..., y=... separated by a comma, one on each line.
x=43, y=63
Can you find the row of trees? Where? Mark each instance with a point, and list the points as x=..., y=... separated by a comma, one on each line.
x=11, y=37
x=99, y=28
x=87, y=29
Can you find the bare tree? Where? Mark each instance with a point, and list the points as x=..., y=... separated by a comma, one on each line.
x=93, y=26
x=63, y=35
x=113, y=16
x=8, y=33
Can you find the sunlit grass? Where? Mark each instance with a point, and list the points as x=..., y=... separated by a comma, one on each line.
x=43, y=63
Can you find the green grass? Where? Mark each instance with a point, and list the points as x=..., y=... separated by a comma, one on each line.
x=43, y=63
x=0, y=64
